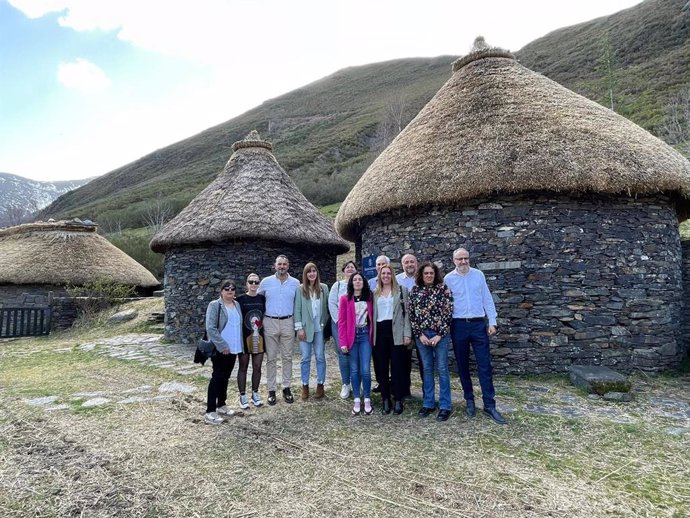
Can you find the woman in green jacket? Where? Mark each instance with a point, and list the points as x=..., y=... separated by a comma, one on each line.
x=311, y=315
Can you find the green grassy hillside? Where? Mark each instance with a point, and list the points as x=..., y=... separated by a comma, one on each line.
x=648, y=49
x=328, y=132
x=323, y=134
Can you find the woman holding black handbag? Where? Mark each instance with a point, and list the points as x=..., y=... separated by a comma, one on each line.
x=224, y=329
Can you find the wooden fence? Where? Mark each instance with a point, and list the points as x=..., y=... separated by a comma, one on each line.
x=24, y=322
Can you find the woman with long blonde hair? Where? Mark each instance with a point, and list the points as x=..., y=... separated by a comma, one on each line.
x=391, y=338
x=311, y=315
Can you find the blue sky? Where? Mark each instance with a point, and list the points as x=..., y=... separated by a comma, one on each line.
x=89, y=85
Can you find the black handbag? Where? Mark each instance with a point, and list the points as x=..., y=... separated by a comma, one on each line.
x=328, y=329
x=205, y=347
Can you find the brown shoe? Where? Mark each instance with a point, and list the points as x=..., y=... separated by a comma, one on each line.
x=305, y=391
x=319, y=391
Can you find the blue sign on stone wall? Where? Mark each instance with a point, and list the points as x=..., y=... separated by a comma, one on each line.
x=369, y=266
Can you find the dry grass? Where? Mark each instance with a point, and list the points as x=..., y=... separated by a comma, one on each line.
x=157, y=458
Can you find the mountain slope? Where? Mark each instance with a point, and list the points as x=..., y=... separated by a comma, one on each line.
x=323, y=134
x=649, y=45
x=326, y=133
x=19, y=196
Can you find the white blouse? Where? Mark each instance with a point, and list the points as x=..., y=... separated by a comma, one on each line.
x=384, y=308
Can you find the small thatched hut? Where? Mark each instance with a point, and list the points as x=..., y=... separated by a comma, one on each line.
x=39, y=258
x=248, y=215
x=571, y=211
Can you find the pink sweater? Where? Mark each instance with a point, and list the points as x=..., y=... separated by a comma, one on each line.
x=347, y=321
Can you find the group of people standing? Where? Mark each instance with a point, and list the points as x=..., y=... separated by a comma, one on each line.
x=383, y=318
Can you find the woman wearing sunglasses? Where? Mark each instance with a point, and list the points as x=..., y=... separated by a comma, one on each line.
x=224, y=329
x=253, y=308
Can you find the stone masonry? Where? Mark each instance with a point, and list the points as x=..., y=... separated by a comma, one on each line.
x=593, y=279
x=193, y=277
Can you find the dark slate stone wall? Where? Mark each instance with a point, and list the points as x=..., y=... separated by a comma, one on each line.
x=685, y=319
x=592, y=279
x=193, y=277
x=28, y=295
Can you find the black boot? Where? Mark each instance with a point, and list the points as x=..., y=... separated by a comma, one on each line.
x=386, y=408
x=398, y=409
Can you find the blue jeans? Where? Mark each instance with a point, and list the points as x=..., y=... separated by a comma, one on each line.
x=319, y=352
x=466, y=334
x=360, y=363
x=435, y=357
x=343, y=359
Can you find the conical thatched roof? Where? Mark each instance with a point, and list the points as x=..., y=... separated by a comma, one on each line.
x=65, y=252
x=498, y=127
x=252, y=199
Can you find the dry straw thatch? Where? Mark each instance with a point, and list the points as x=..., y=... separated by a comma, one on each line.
x=497, y=127
x=65, y=252
x=252, y=199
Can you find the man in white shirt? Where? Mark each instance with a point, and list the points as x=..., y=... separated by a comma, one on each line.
x=279, y=327
x=381, y=261
x=473, y=305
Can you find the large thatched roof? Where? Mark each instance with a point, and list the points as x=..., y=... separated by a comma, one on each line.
x=252, y=199
x=498, y=127
x=65, y=252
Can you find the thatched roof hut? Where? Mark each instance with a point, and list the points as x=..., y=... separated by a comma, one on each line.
x=252, y=198
x=498, y=127
x=248, y=215
x=65, y=253
x=570, y=210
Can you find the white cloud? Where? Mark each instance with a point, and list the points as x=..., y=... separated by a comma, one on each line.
x=83, y=76
x=38, y=8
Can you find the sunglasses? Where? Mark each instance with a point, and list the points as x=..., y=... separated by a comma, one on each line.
x=229, y=288
x=253, y=282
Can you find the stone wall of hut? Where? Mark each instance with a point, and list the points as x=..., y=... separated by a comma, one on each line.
x=684, y=340
x=193, y=277
x=592, y=279
x=28, y=295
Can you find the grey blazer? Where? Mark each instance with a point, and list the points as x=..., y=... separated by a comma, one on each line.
x=216, y=320
x=401, y=317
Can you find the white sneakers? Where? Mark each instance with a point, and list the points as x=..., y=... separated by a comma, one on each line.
x=213, y=418
x=224, y=410
x=244, y=402
x=345, y=391
x=256, y=399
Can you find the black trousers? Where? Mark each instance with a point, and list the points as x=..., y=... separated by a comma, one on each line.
x=390, y=363
x=218, y=385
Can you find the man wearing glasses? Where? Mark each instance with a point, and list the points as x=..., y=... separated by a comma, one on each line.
x=279, y=327
x=472, y=306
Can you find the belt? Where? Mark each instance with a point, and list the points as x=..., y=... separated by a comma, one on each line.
x=471, y=319
x=279, y=318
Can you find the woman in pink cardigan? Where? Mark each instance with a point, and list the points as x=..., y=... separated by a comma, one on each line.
x=355, y=328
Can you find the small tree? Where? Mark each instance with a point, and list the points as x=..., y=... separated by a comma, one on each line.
x=157, y=213
x=676, y=128
x=607, y=67
x=396, y=115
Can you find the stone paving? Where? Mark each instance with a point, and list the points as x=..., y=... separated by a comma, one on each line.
x=567, y=402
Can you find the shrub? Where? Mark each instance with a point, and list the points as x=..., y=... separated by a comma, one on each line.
x=95, y=296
